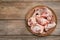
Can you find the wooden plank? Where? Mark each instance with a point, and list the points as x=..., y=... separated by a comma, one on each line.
x=58, y=24
x=53, y=38
x=18, y=27
x=49, y=38
x=41, y=0
x=29, y=38
x=30, y=0
x=13, y=27
x=18, y=10
x=18, y=38
x=3, y=27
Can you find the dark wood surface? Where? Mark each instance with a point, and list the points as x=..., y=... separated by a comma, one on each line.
x=12, y=19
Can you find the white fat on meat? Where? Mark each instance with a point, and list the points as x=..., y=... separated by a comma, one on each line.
x=48, y=11
x=43, y=21
x=49, y=18
x=33, y=21
x=50, y=25
x=37, y=29
x=37, y=11
x=47, y=14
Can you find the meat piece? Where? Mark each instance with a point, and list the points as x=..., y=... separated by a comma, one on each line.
x=50, y=25
x=37, y=28
x=31, y=21
x=49, y=18
x=37, y=12
x=47, y=14
x=42, y=20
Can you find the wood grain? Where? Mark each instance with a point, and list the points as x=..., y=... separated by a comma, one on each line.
x=18, y=10
x=30, y=0
x=18, y=27
x=29, y=38
x=12, y=19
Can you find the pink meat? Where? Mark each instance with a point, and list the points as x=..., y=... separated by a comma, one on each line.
x=41, y=21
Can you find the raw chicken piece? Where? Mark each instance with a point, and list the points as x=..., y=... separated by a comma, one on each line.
x=37, y=12
x=49, y=11
x=42, y=21
x=37, y=29
x=47, y=14
x=50, y=25
x=31, y=21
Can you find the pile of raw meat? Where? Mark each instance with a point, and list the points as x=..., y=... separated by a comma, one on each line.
x=41, y=20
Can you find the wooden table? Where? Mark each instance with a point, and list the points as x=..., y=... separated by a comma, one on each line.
x=12, y=19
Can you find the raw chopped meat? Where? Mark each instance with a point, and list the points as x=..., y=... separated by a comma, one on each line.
x=40, y=20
